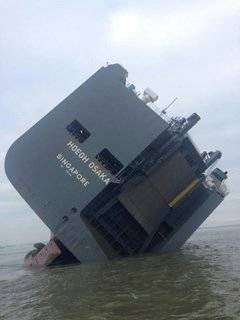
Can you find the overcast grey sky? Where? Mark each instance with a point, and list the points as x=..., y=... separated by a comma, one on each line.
x=188, y=49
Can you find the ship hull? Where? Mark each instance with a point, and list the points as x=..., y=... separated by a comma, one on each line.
x=110, y=177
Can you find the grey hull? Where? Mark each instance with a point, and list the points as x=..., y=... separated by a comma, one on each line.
x=109, y=176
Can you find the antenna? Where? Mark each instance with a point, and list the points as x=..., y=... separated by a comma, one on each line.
x=164, y=111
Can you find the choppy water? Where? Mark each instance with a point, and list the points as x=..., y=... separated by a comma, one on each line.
x=202, y=281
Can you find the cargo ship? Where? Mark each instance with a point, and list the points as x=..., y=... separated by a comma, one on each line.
x=111, y=177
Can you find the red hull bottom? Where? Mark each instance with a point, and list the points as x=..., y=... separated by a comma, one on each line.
x=43, y=257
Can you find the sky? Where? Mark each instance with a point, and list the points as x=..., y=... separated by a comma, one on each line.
x=184, y=49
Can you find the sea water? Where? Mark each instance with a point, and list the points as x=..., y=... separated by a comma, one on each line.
x=201, y=281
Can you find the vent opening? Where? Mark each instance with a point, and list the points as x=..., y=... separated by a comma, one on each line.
x=78, y=131
x=119, y=228
x=111, y=163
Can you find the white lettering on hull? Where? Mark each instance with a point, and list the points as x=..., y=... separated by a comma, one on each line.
x=71, y=170
x=98, y=172
x=81, y=155
x=93, y=166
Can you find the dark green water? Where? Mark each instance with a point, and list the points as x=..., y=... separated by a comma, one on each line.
x=202, y=281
